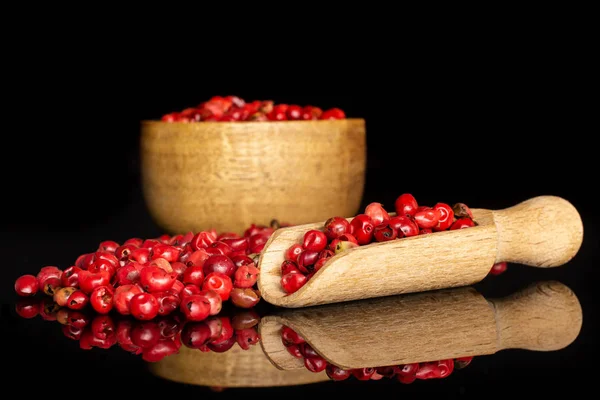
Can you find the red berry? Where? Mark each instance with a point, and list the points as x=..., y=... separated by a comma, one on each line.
x=195, y=335
x=103, y=265
x=319, y=264
x=377, y=213
x=51, y=285
x=203, y=240
x=294, y=112
x=102, y=299
x=292, y=282
x=145, y=334
x=314, y=240
x=245, y=319
x=407, y=369
x=136, y=242
x=406, y=204
x=168, y=301
x=462, y=223
x=162, y=264
x=293, y=252
x=335, y=227
x=461, y=210
x=445, y=367
x=106, y=256
x=195, y=307
x=160, y=350
x=244, y=298
x=84, y=261
x=240, y=260
x=333, y=113
x=28, y=307
x=363, y=374
x=336, y=373
x=236, y=244
x=188, y=290
x=308, y=351
x=220, y=283
x=46, y=273
x=109, y=246
x=294, y=350
x=128, y=274
x=446, y=216
x=288, y=267
x=122, y=297
x=315, y=364
x=194, y=275
x=177, y=286
x=143, y=306
x=78, y=300
x=429, y=370
x=289, y=336
x=179, y=269
x=89, y=281
x=123, y=252
x=103, y=327
x=197, y=258
x=384, y=232
x=404, y=226
x=246, y=338
x=257, y=242
x=172, y=117
x=216, y=303
x=218, y=248
x=70, y=277
x=169, y=253
x=222, y=347
x=498, y=268
x=225, y=330
x=219, y=263
x=362, y=229
x=26, y=285
x=427, y=218
x=246, y=276
x=306, y=260
x=278, y=113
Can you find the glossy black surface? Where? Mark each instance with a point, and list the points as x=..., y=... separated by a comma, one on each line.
x=71, y=198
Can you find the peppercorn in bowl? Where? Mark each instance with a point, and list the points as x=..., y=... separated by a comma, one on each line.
x=227, y=164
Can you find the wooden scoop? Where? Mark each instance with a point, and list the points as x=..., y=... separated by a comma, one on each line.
x=428, y=326
x=233, y=368
x=544, y=231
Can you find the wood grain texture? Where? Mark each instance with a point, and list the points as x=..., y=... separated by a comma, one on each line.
x=544, y=317
x=427, y=262
x=226, y=176
x=545, y=231
x=428, y=326
x=233, y=368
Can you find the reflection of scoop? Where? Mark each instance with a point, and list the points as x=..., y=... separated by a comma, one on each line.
x=545, y=231
x=233, y=368
x=428, y=326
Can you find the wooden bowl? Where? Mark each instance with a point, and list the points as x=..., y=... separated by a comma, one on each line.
x=228, y=175
x=233, y=368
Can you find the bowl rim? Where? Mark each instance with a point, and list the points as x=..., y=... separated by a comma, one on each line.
x=221, y=123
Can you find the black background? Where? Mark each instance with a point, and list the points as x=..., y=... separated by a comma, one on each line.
x=488, y=128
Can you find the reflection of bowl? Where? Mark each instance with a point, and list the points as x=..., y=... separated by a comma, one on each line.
x=233, y=368
x=228, y=175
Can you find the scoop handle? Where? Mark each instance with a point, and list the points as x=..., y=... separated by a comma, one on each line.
x=545, y=316
x=544, y=231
